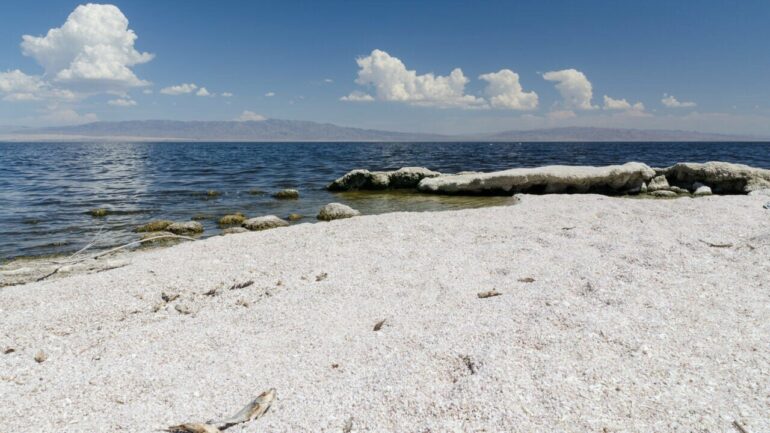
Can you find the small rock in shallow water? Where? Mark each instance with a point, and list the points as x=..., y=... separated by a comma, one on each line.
x=334, y=211
x=264, y=223
x=232, y=219
x=286, y=194
x=154, y=226
x=186, y=227
x=98, y=212
x=295, y=217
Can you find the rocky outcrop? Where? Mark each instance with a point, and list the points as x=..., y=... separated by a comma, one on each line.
x=185, y=228
x=335, y=211
x=614, y=179
x=721, y=177
x=406, y=177
x=264, y=223
x=657, y=183
x=700, y=189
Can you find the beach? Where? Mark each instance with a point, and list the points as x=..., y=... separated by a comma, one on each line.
x=613, y=315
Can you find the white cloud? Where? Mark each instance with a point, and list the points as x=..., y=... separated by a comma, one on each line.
x=179, y=89
x=574, y=88
x=621, y=104
x=18, y=86
x=505, y=91
x=227, y=94
x=671, y=102
x=357, y=96
x=65, y=116
x=393, y=82
x=270, y=94
x=250, y=116
x=328, y=80
x=147, y=91
x=203, y=92
x=122, y=102
x=92, y=51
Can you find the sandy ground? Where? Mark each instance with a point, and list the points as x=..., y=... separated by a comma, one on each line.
x=616, y=315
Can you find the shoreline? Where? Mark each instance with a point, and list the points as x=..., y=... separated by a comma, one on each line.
x=595, y=293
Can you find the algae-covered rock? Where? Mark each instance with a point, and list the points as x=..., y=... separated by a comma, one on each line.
x=287, y=194
x=186, y=227
x=154, y=226
x=264, y=223
x=295, y=217
x=335, y=211
x=99, y=212
x=232, y=219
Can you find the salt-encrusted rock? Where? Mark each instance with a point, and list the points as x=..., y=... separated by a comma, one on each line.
x=614, y=179
x=154, y=226
x=406, y=177
x=264, y=223
x=663, y=193
x=186, y=227
x=700, y=189
x=678, y=190
x=657, y=183
x=234, y=230
x=722, y=177
x=335, y=211
x=287, y=194
x=765, y=192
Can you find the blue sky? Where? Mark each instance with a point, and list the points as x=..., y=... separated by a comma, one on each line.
x=526, y=64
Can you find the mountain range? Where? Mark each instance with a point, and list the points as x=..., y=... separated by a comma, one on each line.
x=297, y=130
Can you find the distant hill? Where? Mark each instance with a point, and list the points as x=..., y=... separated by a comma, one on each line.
x=610, y=134
x=262, y=130
x=297, y=130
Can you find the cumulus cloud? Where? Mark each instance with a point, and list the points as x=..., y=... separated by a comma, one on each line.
x=574, y=88
x=17, y=86
x=393, y=82
x=504, y=91
x=357, y=96
x=147, y=91
x=561, y=115
x=270, y=94
x=92, y=51
x=621, y=104
x=203, y=92
x=122, y=102
x=227, y=94
x=179, y=89
x=671, y=102
x=250, y=116
x=65, y=116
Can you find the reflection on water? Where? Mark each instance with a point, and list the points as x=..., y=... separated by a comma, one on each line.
x=46, y=189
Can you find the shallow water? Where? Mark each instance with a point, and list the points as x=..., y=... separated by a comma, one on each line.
x=46, y=189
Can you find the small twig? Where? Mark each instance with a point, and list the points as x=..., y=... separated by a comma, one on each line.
x=241, y=285
x=378, y=325
x=110, y=251
x=739, y=427
x=713, y=245
x=489, y=294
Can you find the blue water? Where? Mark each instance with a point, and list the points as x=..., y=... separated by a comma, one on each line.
x=46, y=189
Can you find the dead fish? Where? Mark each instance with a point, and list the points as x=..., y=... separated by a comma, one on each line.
x=250, y=412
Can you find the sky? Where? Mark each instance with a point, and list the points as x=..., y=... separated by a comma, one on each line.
x=421, y=66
